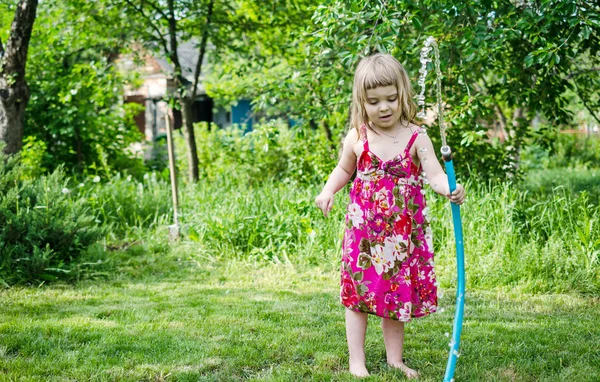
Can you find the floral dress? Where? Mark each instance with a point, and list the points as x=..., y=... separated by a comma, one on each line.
x=387, y=260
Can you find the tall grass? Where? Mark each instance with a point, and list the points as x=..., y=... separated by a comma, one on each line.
x=513, y=237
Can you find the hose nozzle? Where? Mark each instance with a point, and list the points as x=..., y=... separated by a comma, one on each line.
x=446, y=153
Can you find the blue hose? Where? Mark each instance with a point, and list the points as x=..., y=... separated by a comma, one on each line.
x=460, y=268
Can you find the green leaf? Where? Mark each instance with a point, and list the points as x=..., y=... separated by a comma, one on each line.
x=358, y=276
x=364, y=261
x=362, y=289
x=364, y=246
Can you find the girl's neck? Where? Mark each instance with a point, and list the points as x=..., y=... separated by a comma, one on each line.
x=396, y=127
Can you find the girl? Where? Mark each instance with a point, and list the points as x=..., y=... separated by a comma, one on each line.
x=387, y=260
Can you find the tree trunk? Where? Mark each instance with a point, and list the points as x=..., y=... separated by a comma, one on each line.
x=14, y=93
x=190, y=138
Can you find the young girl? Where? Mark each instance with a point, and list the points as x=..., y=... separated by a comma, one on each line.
x=387, y=260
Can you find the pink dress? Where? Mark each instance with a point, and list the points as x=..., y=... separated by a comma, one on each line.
x=387, y=260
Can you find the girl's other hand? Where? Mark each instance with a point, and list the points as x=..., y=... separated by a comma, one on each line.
x=458, y=196
x=325, y=202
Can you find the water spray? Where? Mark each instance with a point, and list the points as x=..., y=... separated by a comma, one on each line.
x=431, y=44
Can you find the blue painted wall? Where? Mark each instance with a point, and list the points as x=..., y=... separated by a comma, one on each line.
x=242, y=114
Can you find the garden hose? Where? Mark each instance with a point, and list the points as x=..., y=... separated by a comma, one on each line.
x=460, y=268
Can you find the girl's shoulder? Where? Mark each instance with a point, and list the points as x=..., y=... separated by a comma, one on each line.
x=352, y=136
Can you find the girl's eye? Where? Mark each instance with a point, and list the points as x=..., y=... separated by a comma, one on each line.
x=372, y=102
x=392, y=99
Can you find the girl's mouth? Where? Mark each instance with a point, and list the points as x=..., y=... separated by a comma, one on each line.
x=386, y=117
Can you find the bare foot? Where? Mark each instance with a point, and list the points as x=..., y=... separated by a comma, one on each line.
x=358, y=369
x=410, y=373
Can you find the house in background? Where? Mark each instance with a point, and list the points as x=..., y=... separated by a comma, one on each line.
x=157, y=83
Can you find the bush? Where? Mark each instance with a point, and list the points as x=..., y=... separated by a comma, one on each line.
x=45, y=228
x=272, y=151
x=567, y=150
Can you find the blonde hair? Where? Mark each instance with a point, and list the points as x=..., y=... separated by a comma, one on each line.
x=375, y=71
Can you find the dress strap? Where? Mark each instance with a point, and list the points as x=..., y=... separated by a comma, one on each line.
x=363, y=137
x=412, y=140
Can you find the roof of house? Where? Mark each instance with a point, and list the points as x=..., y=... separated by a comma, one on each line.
x=188, y=53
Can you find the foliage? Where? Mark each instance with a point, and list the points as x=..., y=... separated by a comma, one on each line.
x=503, y=63
x=76, y=108
x=272, y=151
x=45, y=229
x=541, y=239
x=566, y=151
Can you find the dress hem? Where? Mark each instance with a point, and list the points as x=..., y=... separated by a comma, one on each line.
x=389, y=318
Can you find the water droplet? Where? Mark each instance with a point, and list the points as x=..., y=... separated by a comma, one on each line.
x=422, y=150
x=447, y=334
x=442, y=310
x=421, y=114
x=423, y=131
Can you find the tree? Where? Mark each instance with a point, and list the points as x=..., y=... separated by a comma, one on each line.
x=504, y=62
x=76, y=115
x=14, y=93
x=162, y=27
x=222, y=27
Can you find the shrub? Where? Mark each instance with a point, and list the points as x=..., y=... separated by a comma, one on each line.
x=272, y=151
x=44, y=227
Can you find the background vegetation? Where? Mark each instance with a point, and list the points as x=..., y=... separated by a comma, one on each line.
x=94, y=289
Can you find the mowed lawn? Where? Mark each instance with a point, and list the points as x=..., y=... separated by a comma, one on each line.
x=229, y=321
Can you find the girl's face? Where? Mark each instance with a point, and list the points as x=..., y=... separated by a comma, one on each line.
x=382, y=106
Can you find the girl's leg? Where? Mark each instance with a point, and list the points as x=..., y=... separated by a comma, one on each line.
x=393, y=336
x=356, y=328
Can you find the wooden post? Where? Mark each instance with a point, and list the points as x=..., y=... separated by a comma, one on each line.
x=173, y=229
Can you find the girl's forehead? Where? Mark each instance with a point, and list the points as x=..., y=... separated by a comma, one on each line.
x=382, y=91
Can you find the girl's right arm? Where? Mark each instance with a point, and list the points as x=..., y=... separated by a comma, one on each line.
x=340, y=175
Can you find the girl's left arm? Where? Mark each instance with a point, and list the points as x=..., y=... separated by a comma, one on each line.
x=433, y=171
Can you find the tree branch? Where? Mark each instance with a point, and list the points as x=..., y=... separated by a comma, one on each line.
x=582, y=98
x=162, y=39
x=203, y=42
x=580, y=72
x=173, y=54
x=156, y=8
x=18, y=41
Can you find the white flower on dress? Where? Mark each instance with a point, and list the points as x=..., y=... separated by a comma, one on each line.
x=392, y=243
x=426, y=212
x=355, y=214
x=428, y=307
x=406, y=276
x=421, y=275
x=381, y=259
x=404, y=312
x=431, y=276
x=429, y=238
x=366, y=190
x=382, y=201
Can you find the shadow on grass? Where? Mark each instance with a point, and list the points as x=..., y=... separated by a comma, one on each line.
x=215, y=328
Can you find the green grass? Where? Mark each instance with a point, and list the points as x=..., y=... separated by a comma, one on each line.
x=187, y=319
x=251, y=293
